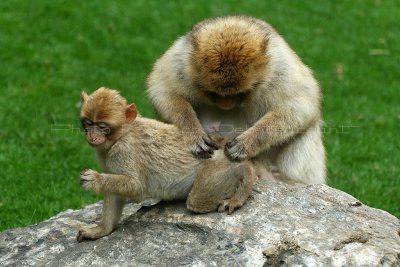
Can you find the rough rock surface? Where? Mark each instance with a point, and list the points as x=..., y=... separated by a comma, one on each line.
x=280, y=225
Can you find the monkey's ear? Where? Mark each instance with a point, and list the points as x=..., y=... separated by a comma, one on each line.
x=130, y=112
x=84, y=96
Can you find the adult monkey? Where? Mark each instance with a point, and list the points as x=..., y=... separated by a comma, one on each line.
x=238, y=73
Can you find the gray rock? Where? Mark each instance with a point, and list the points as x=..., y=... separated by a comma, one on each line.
x=281, y=225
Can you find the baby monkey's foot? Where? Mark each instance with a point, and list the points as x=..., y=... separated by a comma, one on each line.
x=91, y=233
x=89, y=180
x=230, y=204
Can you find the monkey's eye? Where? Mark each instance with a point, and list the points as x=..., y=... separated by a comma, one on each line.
x=104, y=128
x=86, y=123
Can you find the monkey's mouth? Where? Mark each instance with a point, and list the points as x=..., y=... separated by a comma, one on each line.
x=94, y=138
x=227, y=102
x=96, y=142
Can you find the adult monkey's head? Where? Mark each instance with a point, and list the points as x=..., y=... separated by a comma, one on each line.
x=228, y=60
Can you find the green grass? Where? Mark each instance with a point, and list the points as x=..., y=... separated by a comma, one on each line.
x=51, y=50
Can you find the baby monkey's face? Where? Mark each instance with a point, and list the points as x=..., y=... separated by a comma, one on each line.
x=96, y=132
x=103, y=115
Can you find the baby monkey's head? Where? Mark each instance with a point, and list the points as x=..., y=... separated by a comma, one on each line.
x=103, y=114
x=228, y=59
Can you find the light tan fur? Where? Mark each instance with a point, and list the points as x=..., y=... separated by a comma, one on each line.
x=238, y=72
x=146, y=159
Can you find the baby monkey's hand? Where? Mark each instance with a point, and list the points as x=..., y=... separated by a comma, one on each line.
x=89, y=180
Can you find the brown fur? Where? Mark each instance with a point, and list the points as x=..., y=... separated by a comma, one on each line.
x=103, y=97
x=225, y=61
x=151, y=159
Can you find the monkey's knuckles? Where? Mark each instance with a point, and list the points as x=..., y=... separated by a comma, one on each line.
x=236, y=150
x=88, y=179
x=229, y=205
x=203, y=147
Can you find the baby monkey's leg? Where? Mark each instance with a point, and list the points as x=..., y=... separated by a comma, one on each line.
x=221, y=185
x=245, y=175
x=116, y=189
x=112, y=210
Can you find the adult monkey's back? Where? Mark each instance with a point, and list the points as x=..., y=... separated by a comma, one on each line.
x=236, y=76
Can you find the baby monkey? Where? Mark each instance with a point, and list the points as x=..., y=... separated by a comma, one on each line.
x=144, y=158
